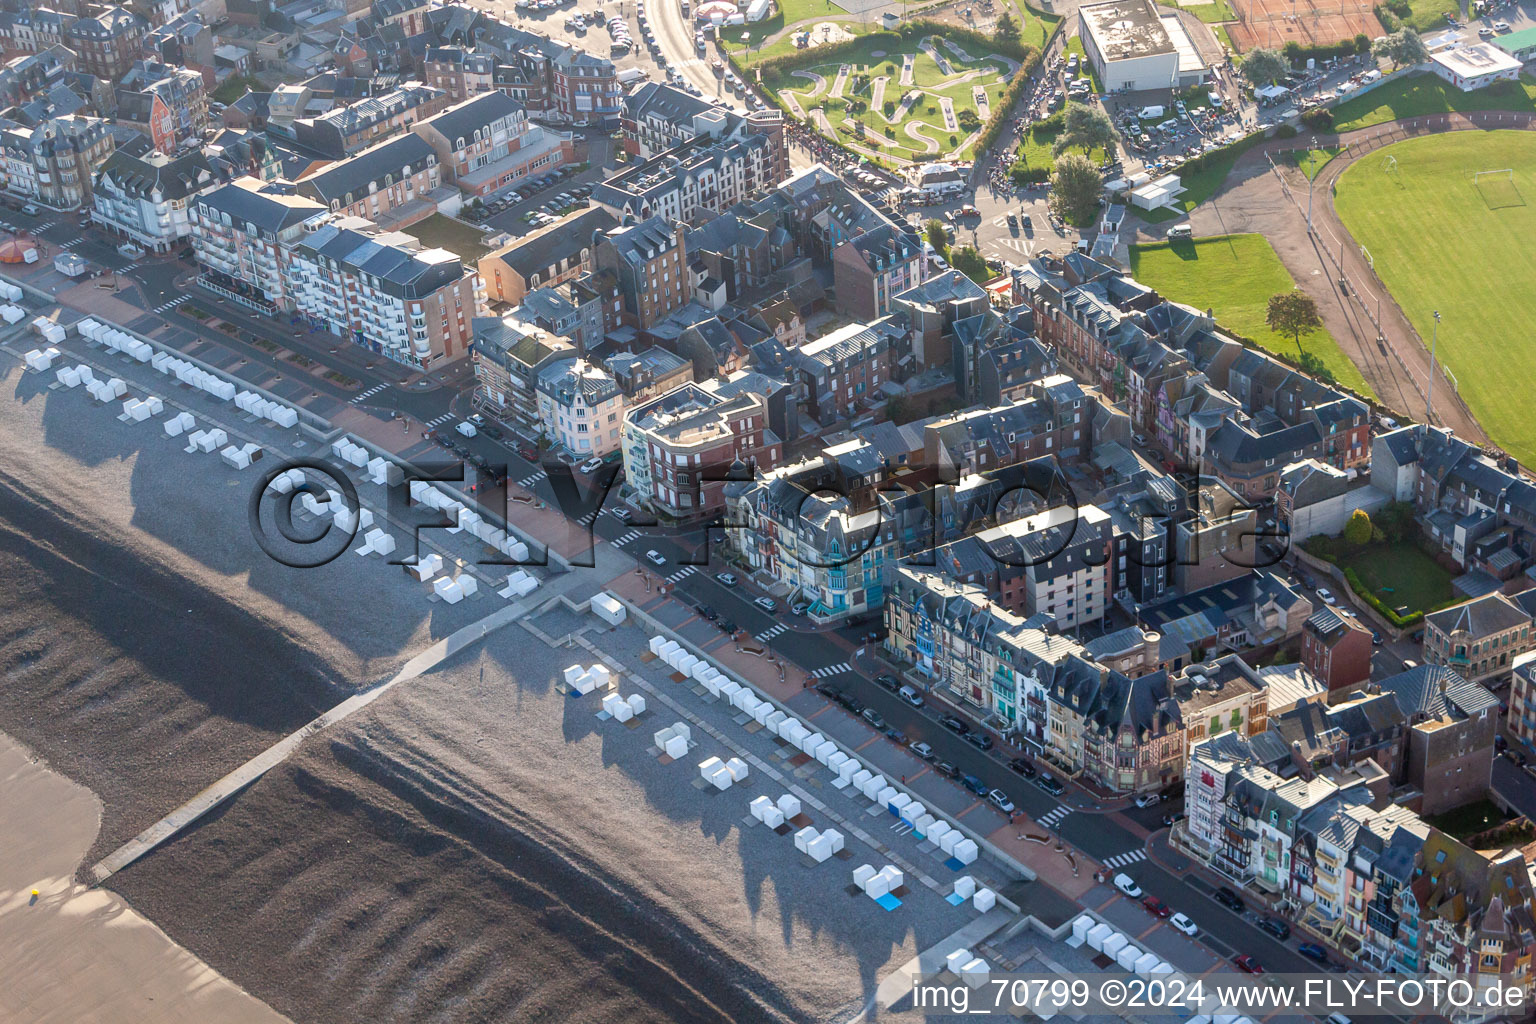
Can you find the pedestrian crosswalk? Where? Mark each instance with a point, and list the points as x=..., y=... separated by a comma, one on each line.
x=1052, y=817
x=438, y=421
x=1022, y=246
x=167, y=306
x=530, y=480
x=769, y=634
x=1121, y=860
x=827, y=671
x=682, y=574
x=369, y=393
x=625, y=538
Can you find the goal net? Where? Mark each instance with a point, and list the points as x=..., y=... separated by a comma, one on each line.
x=1498, y=188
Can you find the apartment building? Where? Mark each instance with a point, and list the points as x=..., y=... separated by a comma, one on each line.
x=240, y=233
x=55, y=160
x=1521, y=721
x=1336, y=649
x=381, y=290
x=869, y=271
x=1480, y=638
x=680, y=448
x=707, y=174
x=487, y=143
x=581, y=408
x=145, y=199
x=387, y=183
x=459, y=72
x=552, y=255
x=169, y=104
x=649, y=261
x=509, y=356
x=107, y=43
x=659, y=116
x=990, y=661
x=841, y=372
x=343, y=130
x=551, y=78
x=1451, y=726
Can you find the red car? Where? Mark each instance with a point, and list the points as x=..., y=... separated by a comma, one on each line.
x=1247, y=964
x=1156, y=907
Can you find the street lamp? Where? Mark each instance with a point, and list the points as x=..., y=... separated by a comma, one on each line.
x=1429, y=398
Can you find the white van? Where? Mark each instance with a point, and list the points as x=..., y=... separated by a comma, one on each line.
x=1180, y=231
x=1148, y=113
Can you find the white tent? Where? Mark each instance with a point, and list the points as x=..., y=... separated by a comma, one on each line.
x=1128, y=956
x=975, y=973
x=790, y=805
x=958, y=959
x=965, y=887
x=1096, y=936
x=984, y=900
x=965, y=851
x=1113, y=944
x=1146, y=963
x=862, y=874
x=1080, y=926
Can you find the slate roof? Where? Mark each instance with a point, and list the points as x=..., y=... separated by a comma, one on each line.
x=1437, y=691
x=1484, y=616
x=402, y=156
x=460, y=122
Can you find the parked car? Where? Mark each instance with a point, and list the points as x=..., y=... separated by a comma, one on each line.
x=592, y=465
x=1169, y=820
x=873, y=718
x=705, y=611
x=1326, y=596
x=1050, y=784
x=655, y=557
x=1184, y=924
x=979, y=740
x=1227, y=898
x=1276, y=927
x=831, y=692
x=954, y=724
x=1128, y=886
x=974, y=784
x=1148, y=800
x=726, y=578
x=1156, y=907
x=1023, y=767
x=911, y=696
x=767, y=604
x=1000, y=800
x=922, y=750
x=1313, y=951
x=888, y=682
x=1247, y=964
x=945, y=769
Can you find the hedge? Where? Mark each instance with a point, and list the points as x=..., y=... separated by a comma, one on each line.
x=1364, y=593
x=1299, y=55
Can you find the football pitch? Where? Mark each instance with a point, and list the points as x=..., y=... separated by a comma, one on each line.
x=1447, y=221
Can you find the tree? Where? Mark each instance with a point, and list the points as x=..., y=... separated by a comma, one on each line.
x=1075, y=188
x=968, y=119
x=1402, y=48
x=1362, y=44
x=1008, y=27
x=889, y=107
x=1088, y=127
x=970, y=263
x=1357, y=532
x=934, y=232
x=1263, y=66
x=1293, y=313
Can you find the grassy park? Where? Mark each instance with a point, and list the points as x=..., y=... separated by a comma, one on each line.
x=1461, y=252
x=1418, y=95
x=1234, y=275
x=897, y=131
x=1210, y=13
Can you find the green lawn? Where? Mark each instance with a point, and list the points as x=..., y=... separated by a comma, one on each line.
x=439, y=232
x=1208, y=13
x=1036, y=149
x=1200, y=185
x=234, y=88
x=1401, y=575
x=1312, y=161
x=1441, y=243
x=1234, y=275
x=1418, y=95
x=1426, y=15
x=1470, y=819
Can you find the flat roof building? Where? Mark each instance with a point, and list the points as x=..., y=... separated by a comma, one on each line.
x=1475, y=66
x=1129, y=46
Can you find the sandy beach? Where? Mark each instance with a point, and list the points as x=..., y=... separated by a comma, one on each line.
x=471, y=848
x=77, y=955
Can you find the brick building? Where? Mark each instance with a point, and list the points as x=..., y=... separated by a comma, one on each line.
x=1336, y=649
